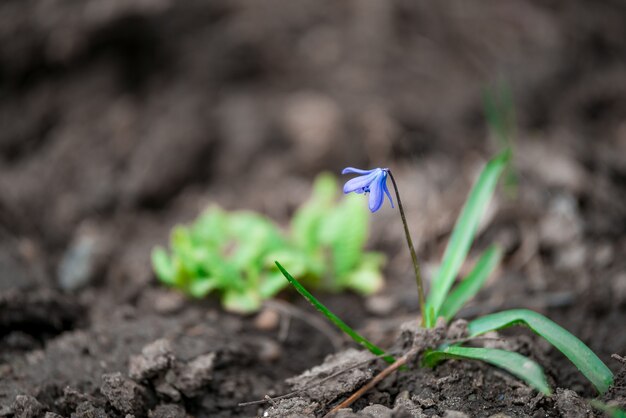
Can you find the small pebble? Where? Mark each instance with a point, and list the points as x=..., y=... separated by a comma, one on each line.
x=377, y=411
x=81, y=261
x=269, y=350
x=267, y=320
x=454, y=414
x=169, y=302
x=571, y=257
x=381, y=305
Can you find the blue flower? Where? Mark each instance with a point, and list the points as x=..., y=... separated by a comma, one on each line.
x=373, y=182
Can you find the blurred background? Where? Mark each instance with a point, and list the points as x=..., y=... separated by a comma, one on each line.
x=120, y=118
x=117, y=115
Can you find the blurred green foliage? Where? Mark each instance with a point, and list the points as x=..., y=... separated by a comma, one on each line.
x=232, y=253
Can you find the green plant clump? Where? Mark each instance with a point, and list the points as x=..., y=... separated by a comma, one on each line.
x=232, y=253
x=447, y=297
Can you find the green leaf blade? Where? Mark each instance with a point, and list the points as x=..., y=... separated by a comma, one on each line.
x=464, y=231
x=163, y=266
x=500, y=114
x=574, y=349
x=201, y=287
x=516, y=364
x=358, y=338
x=468, y=288
x=610, y=410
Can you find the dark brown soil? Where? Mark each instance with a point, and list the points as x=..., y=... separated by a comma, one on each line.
x=121, y=118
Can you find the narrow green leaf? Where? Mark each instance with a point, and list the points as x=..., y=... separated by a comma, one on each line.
x=583, y=358
x=358, y=338
x=292, y=259
x=516, y=364
x=464, y=231
x=473, y=283
x=611, y=411
x=500, y=115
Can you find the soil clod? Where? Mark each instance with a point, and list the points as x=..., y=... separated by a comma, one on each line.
x=124, y=394
x=154, y=358
x=27, y=407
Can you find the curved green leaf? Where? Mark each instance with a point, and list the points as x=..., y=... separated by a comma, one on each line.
x=358, y=338
x=610, y=410
x=464, y=231
x=583, y=358
x=473, y=283
x=500, y=115
x=516, y=364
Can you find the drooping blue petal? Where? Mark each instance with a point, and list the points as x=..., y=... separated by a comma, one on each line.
x=387, y=190
x=376, y=192
x=371, y=181
x=352, y=170
x=358, y=184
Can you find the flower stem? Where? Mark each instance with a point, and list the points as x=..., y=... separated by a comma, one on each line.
x=409, y=241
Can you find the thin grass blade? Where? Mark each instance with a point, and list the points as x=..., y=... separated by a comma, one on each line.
x=516, y=364
x=468, y=288
x=464, y=232
x=358, y=338
x=500, y=115
x=575, y=350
